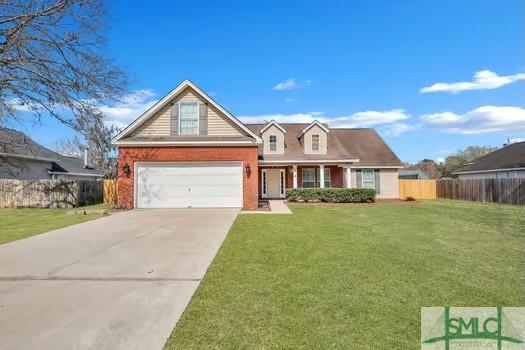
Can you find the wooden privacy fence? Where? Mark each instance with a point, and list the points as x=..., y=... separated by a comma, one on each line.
x=49, y=193
x=418, y=189
x=110, y=192
x=504, y=191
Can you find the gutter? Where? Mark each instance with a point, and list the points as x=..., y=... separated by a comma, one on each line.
x=11, y=155
x=185, y=143
x=74, y=174
x=487, y=171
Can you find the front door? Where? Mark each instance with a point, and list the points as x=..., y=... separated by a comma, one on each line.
x=273, y=183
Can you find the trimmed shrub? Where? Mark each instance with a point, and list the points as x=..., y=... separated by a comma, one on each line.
x=331, y=195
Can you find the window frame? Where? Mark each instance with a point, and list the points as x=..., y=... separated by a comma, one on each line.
x=303, y=177
x=198, y=117
x=368, y=171
x=318, y=143
x=327, y=179
x=270, y=143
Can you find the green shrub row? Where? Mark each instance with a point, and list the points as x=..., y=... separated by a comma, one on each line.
x=331, y=195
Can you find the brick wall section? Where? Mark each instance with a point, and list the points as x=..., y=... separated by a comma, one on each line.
x=336, y=173
x=129, y=155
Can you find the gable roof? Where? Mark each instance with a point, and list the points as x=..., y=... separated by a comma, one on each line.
x=361, y=146
x=273, y=122
x=170, y=96
x=509, y=157
x=16, y=144
x=312, y=124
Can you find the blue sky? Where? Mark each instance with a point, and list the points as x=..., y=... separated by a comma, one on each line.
x=349, y=63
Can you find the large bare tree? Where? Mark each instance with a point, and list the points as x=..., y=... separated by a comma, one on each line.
x=52, y=63
x=52, y=60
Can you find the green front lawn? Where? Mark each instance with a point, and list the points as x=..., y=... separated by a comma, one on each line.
x=353, y=277
x=21, y=223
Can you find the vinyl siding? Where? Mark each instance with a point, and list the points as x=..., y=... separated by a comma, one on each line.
x=160, y=123
x=389, y=182
x=273, y=130
x=24, y=169
x=307, y=140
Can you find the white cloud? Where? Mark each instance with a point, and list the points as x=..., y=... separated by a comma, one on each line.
x=292, y=84
x=480, y=120
x=397, y=129
x=484, y=79
x=356, y=120
x=280, y=118
x=369, y=118
x=128, y=108
x=289, y=99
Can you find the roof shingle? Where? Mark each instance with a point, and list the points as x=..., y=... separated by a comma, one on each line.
x=508, y=157
x=343, y=144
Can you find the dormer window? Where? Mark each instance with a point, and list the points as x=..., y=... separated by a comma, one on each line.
x=315, y=142
x=273, y=143
x=189, y=118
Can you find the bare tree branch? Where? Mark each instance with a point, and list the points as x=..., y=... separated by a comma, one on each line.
x=52, y=61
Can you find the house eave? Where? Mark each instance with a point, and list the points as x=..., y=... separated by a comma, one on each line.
x=308, y=161
x=273, y=122
x=186, y=143
x=13, y=155
x=74, y=174
x=487, y=171
x=312, y=124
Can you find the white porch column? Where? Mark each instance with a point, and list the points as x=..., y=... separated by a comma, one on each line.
x=321, y=176
x=348, y=177
x=294, y=170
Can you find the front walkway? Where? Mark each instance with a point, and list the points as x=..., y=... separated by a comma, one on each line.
x=119, y=282
x=277, y=206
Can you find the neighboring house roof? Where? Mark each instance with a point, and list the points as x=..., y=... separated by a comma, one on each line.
x=16, y=144
x=168, y=98
x=510, y=157
x=360, y=145
x=412, y=172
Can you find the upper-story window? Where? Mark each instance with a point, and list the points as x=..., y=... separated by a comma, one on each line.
x=273, y=143
x=315, y=142
x=189, y=118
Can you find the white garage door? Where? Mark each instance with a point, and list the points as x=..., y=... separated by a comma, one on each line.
x=189, y=185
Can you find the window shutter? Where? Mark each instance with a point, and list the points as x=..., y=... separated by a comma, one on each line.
x=203, y=119
x=378, y=184
x=358, y=178
x=174, y=119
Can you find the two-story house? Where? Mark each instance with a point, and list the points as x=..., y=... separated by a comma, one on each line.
x=188, y=151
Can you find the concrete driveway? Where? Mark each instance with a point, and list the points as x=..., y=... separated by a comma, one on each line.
x=119, y=282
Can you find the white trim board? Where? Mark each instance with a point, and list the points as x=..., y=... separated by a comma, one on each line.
x=315, y=122
x=308, y=161
x=184, y=143
x=273, y=122
x=166, y=99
